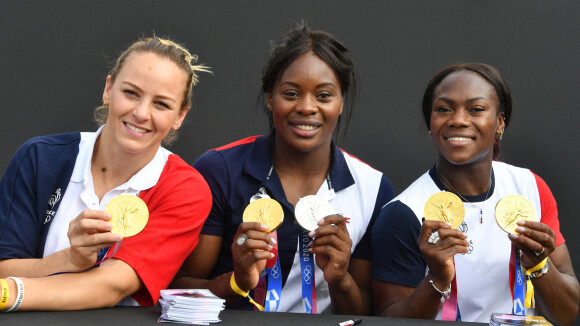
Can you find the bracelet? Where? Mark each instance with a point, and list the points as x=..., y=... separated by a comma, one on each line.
x=535, y=272
x=20, y=296
x=538, y=270
x=239, y=291
x=444, y=294
x=4, y=293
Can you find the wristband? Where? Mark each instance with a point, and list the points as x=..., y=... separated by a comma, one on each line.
x=239, y=291
x=444, y=294
x=20, y=296
x=4, y=294
x=535, y=272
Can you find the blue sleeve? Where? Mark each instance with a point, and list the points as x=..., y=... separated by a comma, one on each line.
x=213, y=168
x=396, y=257
x=40, y=167
x=385, y=194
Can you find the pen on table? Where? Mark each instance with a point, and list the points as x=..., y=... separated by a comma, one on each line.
x=350, y=322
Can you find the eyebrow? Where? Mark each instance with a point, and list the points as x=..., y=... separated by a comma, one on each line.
x=448, y=100
x=164, y=97
x=298, y=85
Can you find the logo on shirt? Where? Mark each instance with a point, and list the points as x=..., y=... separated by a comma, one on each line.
x=51, y=202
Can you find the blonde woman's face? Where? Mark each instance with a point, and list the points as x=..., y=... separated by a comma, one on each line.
x=145, y=102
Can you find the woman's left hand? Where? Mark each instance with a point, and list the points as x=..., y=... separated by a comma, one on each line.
x=332, y=245
x=535, y=240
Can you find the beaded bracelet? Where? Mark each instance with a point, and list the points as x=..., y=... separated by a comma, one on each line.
x=444, y=294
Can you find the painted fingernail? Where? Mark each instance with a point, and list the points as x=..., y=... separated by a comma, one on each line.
x=273, y=241
x=521, y=222
x=310, y=243
x=118, y=237
x=321, y=221
x=448, y=224
x=108, y=226
x=270, y=247
x=512, y=236
x=271, y=255
x=520, y=229
x=312, y=234
x=263, y=226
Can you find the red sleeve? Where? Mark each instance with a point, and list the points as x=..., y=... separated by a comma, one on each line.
x=549, y=209
x=178, y=205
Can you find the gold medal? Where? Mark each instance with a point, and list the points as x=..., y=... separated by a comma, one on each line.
x=511, y=209
x=445, y=206
x=129, y=215
x=266, y=211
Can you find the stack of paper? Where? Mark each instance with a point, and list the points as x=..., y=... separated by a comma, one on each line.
x=195, y=306
x=498, y=319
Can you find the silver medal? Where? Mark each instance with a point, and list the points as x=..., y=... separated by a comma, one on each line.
x=311, y=209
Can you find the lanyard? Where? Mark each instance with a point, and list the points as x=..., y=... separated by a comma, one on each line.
x=307, y=272
x=517, y=282
x=274, y=274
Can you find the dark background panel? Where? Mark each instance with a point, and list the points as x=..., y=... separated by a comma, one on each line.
x=54, y=57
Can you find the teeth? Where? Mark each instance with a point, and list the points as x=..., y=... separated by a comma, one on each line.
x=305, y=127
x=458, y=138
x=135, y=129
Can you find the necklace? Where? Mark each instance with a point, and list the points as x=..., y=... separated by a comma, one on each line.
x=463, y=198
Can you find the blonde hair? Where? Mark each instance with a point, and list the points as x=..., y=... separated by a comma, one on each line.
x=164, y=48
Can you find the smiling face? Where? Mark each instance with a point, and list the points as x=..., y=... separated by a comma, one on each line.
x=306, y=103
x=465, y=118
x=145, y=101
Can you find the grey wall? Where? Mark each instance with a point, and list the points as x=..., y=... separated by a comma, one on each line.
x=54, y=56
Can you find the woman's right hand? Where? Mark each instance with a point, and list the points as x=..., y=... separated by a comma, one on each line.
x=250, y=255
x=439, y=255
x=88, y=233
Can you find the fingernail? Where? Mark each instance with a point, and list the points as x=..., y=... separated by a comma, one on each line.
x=270, y=247
x=263, y=226
x=108, y=226
x=520, y=229
x=512, y=236
x=312, y=234
x=310, y=244
x=271, y=255
x=118, y=237
x=521, y=222
x=273, y=241
x=321, y=221
x=448, y=224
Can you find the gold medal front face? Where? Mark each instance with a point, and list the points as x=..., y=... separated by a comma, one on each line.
x=266, y=211
x=511, y=209
x=129, y=215
x=446, y=207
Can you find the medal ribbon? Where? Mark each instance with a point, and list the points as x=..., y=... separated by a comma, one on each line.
x=517, y=282
x=307, y=269
x=274, y=275
x=450, y=310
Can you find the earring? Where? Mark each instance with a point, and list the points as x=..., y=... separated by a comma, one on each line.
x=105, y=104
x=500, y=134
x=430, y=136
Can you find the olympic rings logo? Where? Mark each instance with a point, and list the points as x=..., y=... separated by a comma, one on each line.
x=275, y=271
x=307, y=274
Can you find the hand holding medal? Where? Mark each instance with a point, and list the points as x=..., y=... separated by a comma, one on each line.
x=331, y=243
x=439, y=239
